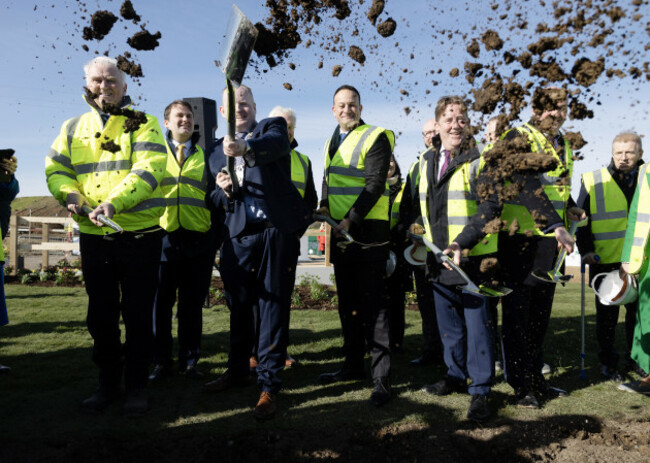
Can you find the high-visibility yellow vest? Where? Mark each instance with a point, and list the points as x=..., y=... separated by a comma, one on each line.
x=641, y=226
x=608, y=207
x=344, y=172
x=461, y=204
x=129, y=178
x=394, y=209
x=558, y=194
x=299, y=171
x=184, y=188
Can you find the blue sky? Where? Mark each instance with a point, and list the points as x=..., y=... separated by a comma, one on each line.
x=41, y=85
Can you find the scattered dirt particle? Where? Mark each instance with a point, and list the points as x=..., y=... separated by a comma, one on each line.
x=375, y=10
x=356, y=54
x=128, y=12
x=336, y=70
x=387, y=28
x=144, y=40
x=586, y=72
x=491, y=40
x=473, y=49
x=101, y=24
x=129, y=67
x=287, y=85
x=488, y=265
x=575, y=140
x=110, y=146
x=453, y=72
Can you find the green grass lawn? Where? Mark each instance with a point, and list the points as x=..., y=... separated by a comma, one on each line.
x=48, y=348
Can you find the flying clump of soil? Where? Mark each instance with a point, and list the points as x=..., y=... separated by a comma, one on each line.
x=491, y=40
x=356, y=54
x=129, y=67
x=586, y=72
x=110, y=146
x=144, y=40
x=128, y=12
x=101, y=24
x=287, y=86
x=376, y=9
x=336, y=70
x=387, y=28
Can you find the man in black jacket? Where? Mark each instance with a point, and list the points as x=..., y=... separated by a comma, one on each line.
x=606, y=195
x=355, y=193
x=454, y=220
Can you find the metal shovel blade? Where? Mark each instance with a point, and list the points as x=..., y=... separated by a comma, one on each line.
x=550, y=276
x=237, y=46
x=469, y=286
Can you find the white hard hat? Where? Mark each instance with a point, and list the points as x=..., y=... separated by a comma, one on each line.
x=612, y=290
x=416, y=255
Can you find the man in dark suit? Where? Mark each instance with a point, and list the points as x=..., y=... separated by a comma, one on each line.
x=355, y=193
x=264, y=220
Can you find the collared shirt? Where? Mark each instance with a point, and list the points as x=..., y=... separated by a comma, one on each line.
x=256, y=209
x=441, y=159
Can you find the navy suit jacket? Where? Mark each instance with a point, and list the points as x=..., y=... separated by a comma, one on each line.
x=267, y=175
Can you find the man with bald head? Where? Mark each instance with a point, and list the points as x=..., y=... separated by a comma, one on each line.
x=429, y=131
x=264, y=220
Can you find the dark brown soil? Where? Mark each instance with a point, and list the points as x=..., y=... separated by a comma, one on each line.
x=129, y=67
x=491, y=40
x=586, y=72
x=387, y=28
x=128, y=13
x=336, y=70
x=356, y=54
x=101, y=24
x=110, y=146
x=376, y=9
x=473, y=49
x=287, y=86
x=144, y=40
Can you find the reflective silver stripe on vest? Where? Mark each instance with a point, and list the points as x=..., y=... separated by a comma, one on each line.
x=167, y=181
x=532, y=136
x=349, y=190
x=546, y=179
x=147, y=204
x=184, y=201
x=59, y=158
x=423, y=196
x=609, y=235
x=558, y=204
x=147, y=176
x=457, y=220
x=458, y=195
x=104, y=166
x=64, y=173
x=394, y=215
x=72, y=126
x=347, y=171
x=645, y=218
x=356, y=153
x=148, y=146
x=608, y=215
x=299, y=185
x=638, y=241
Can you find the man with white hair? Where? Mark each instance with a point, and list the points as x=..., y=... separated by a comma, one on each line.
x=111, y=160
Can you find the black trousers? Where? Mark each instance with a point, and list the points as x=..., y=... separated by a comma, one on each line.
x=606, y=321
x=190, y=277
x=259, y=268
x=361, y=288
x=121, y=275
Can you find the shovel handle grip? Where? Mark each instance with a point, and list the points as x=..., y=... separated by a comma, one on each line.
x=103, y=219
x=333, y=223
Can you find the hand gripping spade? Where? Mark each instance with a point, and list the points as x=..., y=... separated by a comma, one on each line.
x=554, y=275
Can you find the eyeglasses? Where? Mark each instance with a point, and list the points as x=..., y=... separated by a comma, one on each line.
x=429, y=133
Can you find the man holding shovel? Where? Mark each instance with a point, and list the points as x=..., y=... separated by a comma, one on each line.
x=263, y=223
x=96, y=161
x=454, y=220
x=535, y=218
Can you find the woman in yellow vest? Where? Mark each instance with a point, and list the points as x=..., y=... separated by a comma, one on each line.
x=634, y=260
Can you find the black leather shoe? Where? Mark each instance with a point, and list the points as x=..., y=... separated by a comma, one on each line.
x=341, y=375
x=527, y=400
x=478, y=408
x=427, y=358
x=137, y=402
x=612, y=374
x=380, y=391
x=4, y=369
x=159, y=373
x=551, y=393
x=100, y=399
x=192, y=372
x=444, y=387
x=226, y=381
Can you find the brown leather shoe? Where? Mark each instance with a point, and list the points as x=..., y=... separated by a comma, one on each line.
x=226, y=381
x=266, y=406
x=290, y=361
